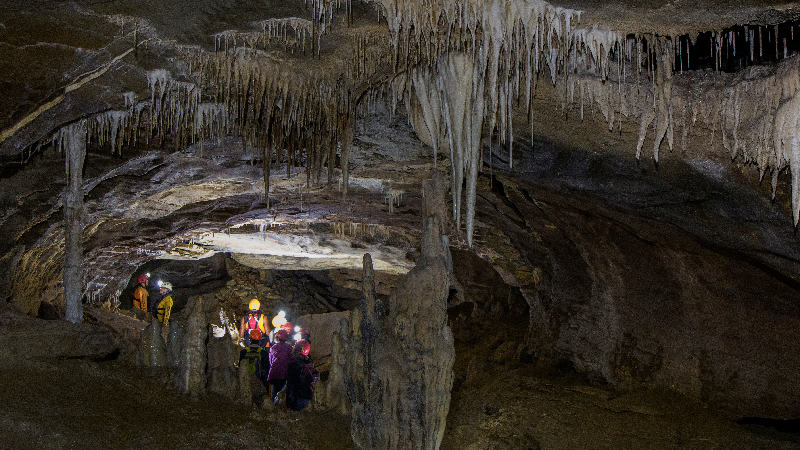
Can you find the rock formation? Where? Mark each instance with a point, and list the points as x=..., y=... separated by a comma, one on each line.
x=191, y=372
x=152, y=349
x=175, y=342
x=399, y=354
x=221, y=367
x=244, y=395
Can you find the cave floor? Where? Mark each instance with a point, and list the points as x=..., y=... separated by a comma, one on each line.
x=83, y=404
x=523, y=409
x=77, y=403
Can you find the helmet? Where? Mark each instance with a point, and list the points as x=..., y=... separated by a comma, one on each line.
x=304, y=346
x=165, y=284
x=288, y=327
x=278, y=321
x=143, y=278
x=217, y=331
x=282, y=335
x=254, y=305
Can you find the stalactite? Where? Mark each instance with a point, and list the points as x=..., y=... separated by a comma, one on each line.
x=267, y=163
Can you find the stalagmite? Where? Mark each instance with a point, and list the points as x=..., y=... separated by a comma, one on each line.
x=399, y=354
x=191, y=372
x=71, y=141
x=152, y=350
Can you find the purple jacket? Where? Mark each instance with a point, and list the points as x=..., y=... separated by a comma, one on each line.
x=280, y=355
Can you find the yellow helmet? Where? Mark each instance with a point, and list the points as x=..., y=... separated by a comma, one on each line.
x=278, y=320
x=254, y=305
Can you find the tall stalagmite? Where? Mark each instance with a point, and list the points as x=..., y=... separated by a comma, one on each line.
x=191, y=373
x=400, y=353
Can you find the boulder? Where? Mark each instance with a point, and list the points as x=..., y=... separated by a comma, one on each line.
x=37, y=338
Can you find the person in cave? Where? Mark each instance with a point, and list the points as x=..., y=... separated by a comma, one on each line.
x=301, y=333
x=277, y=322
x=280, y=356
x=301, y=377
x=253, y=326
x=164, y=308
x=140, y=294
x=258, y=357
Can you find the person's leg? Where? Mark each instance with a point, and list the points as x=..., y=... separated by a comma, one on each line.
x=277, y=388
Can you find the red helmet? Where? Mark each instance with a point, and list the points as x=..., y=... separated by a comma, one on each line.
x=142, y=278
x=304, y=346
x=282, y=335
x=288, y=327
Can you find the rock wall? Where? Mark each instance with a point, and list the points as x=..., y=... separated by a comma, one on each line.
x=399, y=353
x=634, y=302
x=322, y=328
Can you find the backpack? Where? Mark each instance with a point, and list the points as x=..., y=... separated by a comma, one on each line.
x=258, y=361
x=311, y=374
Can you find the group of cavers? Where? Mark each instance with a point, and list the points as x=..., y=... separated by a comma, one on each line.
x=277, y=356
x=160, y=309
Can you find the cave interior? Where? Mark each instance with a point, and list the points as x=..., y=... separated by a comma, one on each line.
x=505, y=223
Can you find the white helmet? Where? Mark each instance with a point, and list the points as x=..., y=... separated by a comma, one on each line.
x=217, y=331
x=166, y=285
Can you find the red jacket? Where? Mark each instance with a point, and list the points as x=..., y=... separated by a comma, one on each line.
x=280, y=355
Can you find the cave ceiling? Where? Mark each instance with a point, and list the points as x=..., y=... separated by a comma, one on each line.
x=295, y=81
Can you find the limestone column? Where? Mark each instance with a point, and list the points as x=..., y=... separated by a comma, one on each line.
x=72, y=140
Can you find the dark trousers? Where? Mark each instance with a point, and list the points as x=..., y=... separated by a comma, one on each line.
x=277, y=386
x=296, y=403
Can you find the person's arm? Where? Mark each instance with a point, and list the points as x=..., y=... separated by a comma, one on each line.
x=167, y=310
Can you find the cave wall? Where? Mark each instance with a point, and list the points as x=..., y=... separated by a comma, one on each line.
x=635, y=302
